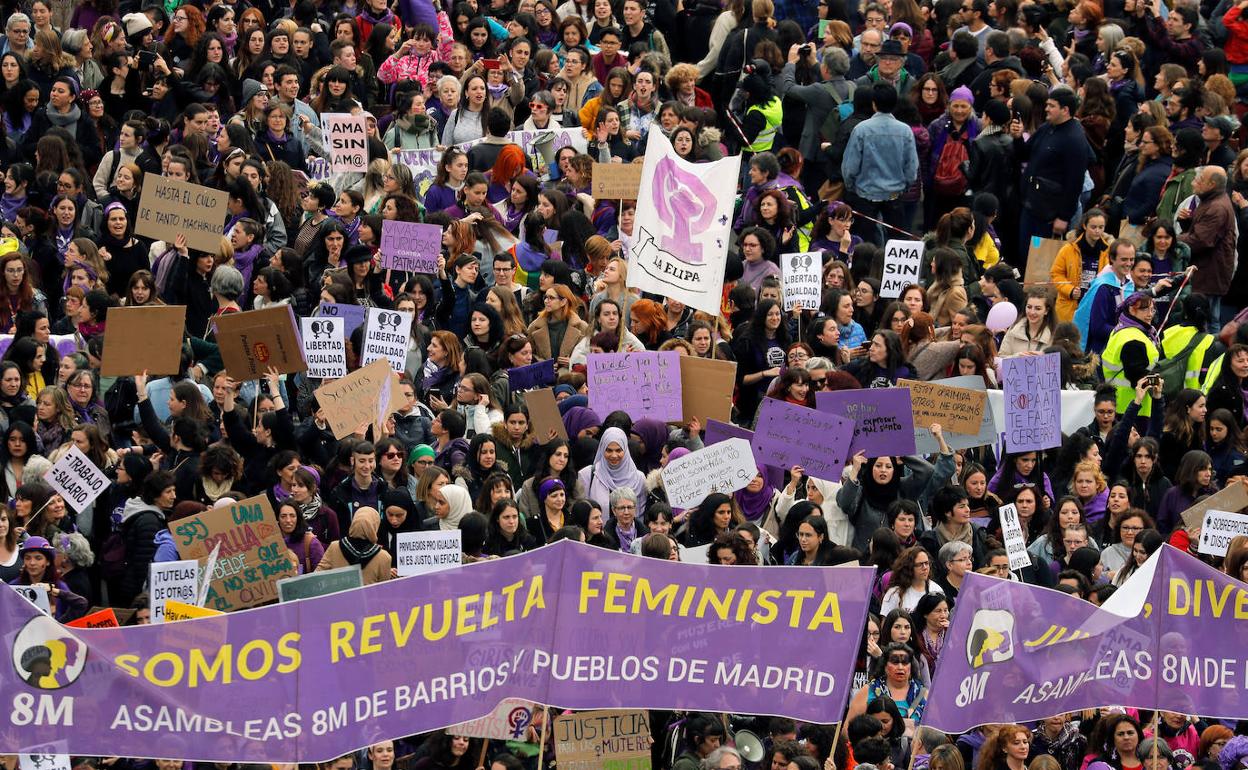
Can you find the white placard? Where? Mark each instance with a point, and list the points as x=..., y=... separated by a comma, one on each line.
x=1015, y=543
x=419, y=553
x=36, y=595
x=724, y=467
x=696, y=555
x=902, y=262
x=324, y=347
x=347, y=137
x=43, y=762
x=386, y=334
x=1218, y=529
x=172, y=580
x=802, y=278
x=76, y=479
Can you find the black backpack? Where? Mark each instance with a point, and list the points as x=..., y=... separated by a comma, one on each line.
x=120, y=401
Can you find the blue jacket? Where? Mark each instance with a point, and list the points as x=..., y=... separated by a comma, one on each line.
x=1144, y=193
x=880, y=161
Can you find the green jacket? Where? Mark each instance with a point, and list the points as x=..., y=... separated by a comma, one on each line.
x=1174, y=192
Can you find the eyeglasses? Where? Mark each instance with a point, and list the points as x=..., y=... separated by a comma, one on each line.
x=1131, y=528
x=551, y=298
x=82, y=385
x=63, y=185
x=536, y=106
x=899, y=660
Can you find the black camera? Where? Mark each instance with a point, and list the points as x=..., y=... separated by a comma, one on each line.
x=146, y=59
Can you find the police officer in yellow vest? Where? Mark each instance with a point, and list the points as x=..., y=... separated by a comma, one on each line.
x=1132, y=350
x=762, y=114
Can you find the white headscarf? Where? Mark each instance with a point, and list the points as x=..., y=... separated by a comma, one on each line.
x=460, y=504
x=623, y=475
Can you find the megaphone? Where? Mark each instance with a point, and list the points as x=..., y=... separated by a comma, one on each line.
x=544, y=145
x=748, y=745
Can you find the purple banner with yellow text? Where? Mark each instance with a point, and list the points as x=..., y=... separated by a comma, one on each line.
x=568, y=625
x=1172, y=637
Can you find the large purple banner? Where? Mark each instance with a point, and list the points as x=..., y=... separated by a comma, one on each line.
x=568, y=625
x=1172, y=638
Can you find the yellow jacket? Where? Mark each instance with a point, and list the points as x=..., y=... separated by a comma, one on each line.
x=1067, y=275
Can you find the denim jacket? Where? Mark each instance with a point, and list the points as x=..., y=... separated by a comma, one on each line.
x=881, y=161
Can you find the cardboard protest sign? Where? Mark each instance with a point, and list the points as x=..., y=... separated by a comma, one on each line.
x=801, y=275
x=538, y=374
x=724, y=467
x=143, y=338
x=883, y=419
x=324, y=347
x=417, y=553
x=386, y=334
x=355, y=400
x=1218, y=530
x=956, y=409
x=351, y=315
x=1041, y=253
x=176, y=610
x=410, y=246
x=76, y=479
x=178, y=580
x=347, y=138
x=169, y=208
x=706, y=386
x=253, y=554
x=105, y=618
x=643, y=384
x=254, y=341
x=925, y=442
x=1032, y=387
x=1233, y=498
x=544, y=413
x=509, y=721
x=603, y=740
x=787, y=434
x=616, y=181
x=1015, y=542
x=323, y=583
x=903, y=260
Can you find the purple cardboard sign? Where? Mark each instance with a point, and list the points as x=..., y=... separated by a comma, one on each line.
x=410, y=246
x=643, y=384
x=787, y=434
x=539, y=374
x=883, y=419
x=352, y=315
x=716, y=431
x=568, y=624
x=1032, y=392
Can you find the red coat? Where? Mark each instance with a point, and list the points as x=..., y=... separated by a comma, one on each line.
x=702, y=99
x=1237, y=36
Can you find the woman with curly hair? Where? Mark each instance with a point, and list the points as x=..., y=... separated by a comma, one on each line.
x=186, y=27
x=1005, y=749
x=911, y=580
x=730, y=548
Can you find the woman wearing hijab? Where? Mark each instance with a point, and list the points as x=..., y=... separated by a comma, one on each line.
x=823, y=494
x=398, y=514
x=653, y=435
x=757, y=500
x=455, y=503
x=612, y=468
x=579, y=419
x=360, y=547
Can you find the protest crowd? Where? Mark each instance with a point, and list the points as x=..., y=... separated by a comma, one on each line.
x=1023, y=201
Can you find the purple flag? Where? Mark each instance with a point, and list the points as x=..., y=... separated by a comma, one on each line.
x=883, y=419
x=568, y=625
x=1172, y=637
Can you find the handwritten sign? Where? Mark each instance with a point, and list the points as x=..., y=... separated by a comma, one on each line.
x=724, y=467
x=1032, y=387
x=1015, y=542
x=351, y=315
x=178, y=580
x=802, y=278
x=75, y=478
x=254, y=341
x=1218, y=530
x=176, y=611
x=536, y=375
x=169, y=208
x=787, y=434
x=509, y=721
x=718, y=431
x=144, y=338
x=902, y=262
x=324, y=347
x=883, y=419
x=252, y=558
x=410, y=246
x=417, y=553
x=347, y=137
x=603, y=740
x=385, y=337
x=616, y=181
x=643, y=384
x=956, y=409
x=355, y=400
x=925, y=443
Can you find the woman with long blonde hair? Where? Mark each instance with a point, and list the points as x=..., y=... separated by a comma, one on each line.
x=54, y=417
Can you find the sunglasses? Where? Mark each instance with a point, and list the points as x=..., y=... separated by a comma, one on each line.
x=899, y=660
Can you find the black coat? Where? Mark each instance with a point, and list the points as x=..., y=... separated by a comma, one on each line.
x=288, y=149
x=84, y=134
